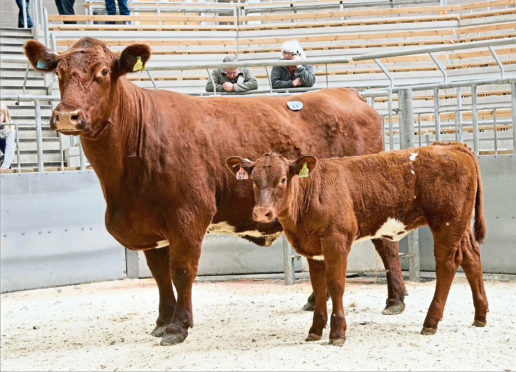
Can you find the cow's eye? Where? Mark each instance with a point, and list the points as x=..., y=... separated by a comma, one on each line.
x=283, y=180
x=104, y=72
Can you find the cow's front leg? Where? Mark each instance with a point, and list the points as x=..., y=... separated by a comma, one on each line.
x=319, y=286
x=184, y=260
x=158, y=261
x=388, y=251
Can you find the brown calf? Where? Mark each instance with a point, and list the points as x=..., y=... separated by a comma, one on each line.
x=324, y=209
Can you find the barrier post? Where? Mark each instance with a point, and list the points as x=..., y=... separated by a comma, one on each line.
x=288, y=256
x=406, y=141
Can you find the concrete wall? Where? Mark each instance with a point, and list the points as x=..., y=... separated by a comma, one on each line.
x=52, y=233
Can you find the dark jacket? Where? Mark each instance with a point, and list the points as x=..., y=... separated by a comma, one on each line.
x=244, y=81
x=280, y=76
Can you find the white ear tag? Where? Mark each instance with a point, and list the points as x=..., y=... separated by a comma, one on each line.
x=242, y=174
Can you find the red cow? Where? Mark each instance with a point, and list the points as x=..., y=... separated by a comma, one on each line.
x=159, y=156
x=365, y=197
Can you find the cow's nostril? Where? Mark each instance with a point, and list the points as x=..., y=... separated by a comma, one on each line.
x=268, y=214
x=75, y=117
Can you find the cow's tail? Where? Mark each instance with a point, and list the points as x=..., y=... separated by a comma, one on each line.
x=479, y=227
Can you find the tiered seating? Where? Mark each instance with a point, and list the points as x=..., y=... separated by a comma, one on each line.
x=200, y=36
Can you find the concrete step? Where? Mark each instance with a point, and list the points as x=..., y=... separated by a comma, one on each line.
x=15, y=32
x=11, y=48
x=30, y=144
x=18, y=71
x=16, y=90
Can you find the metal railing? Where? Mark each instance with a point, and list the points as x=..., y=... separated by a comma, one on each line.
x=388, y=89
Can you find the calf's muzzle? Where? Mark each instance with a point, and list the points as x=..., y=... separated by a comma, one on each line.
x=263, y=214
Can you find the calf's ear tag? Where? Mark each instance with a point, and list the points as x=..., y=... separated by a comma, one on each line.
x=138, y=65
x=304, y=171
x=242, y=174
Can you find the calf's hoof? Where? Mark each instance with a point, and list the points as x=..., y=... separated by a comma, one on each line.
x=479, y=323
x=428, y=331
x=172, y=339
x=313, y=337
x=337, y=341
x=159, y=331
x=393, y=309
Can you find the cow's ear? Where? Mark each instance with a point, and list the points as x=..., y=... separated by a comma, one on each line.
x=40, y=57
x=302, y=166
x=240, y=167
x=133, y=58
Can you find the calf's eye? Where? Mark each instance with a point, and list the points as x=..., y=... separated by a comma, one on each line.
x=283, y=180
x=104, y=72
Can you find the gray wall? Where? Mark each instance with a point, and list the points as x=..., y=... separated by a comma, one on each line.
x=9, y=11
x=52, y=233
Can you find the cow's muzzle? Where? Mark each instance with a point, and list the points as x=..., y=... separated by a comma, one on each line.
x=263, y=214
x=67, y=120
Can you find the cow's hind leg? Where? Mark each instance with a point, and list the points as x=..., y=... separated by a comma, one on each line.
x=473, y=270
x=448, y=256
x=159, y=264
x=388, y=251
x=320, y=317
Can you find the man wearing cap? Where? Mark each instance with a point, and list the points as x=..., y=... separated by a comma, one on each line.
x=295, y=75
x=232, y=80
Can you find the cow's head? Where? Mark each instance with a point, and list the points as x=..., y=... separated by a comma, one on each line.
x=271, y=176
x=88, y=75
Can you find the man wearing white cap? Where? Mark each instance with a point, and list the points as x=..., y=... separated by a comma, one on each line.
x=295, y=75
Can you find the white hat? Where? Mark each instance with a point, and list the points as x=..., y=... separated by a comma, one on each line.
x=293, y=46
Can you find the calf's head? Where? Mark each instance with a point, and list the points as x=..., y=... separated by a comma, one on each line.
x=272, y=178
x=88, y=75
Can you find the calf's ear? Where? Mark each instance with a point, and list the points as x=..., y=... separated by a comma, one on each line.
x=133, y=58
x=302, y=166
x=240, y=167
x=40, y=57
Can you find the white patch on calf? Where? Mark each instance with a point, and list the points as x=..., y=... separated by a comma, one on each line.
x=447, y=224
x=413, y=156
x=318, y=258
x=391, y=229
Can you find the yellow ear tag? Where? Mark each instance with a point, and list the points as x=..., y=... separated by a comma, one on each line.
x=138, y=65
x=304, y=171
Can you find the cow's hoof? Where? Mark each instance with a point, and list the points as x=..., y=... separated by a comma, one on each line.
x=172, y=339
x=393, y=309
x=337, y=341
x=313, y=337
x=428, y=331
x=479, y=323
x=159, y=331
x=309, y=306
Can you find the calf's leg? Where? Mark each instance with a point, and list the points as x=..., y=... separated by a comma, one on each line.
x=320, y=317
x=336, y=248
x=159, y=264
x=447, y=256
x=388, y=251
x=473, y=270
